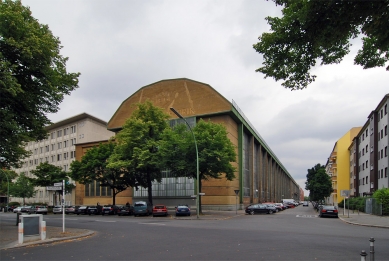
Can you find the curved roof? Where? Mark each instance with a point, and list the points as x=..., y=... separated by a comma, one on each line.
x=188, y=97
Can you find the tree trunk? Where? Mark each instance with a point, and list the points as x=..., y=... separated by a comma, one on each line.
x=113, y=197
x=149, y=189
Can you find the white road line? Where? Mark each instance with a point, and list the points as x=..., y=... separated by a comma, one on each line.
x=158, y=224
x=306, y=216
x=107, y=221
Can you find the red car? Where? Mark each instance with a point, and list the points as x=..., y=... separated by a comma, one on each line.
x=160, y=210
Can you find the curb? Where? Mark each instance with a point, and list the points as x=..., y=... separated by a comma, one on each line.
x=359, y=224
x=48, y=241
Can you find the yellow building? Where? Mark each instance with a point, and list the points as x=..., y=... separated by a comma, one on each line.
x=338, y=165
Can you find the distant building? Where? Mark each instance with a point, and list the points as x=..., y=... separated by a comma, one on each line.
x=59, y=149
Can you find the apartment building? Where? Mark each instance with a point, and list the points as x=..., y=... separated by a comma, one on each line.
x=338, y=165
x=373, y=160
x=59, y=149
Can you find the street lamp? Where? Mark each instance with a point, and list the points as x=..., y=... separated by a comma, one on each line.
x=197, y=162
x=2, y=159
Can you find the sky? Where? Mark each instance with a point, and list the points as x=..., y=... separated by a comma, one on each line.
x=120, y=46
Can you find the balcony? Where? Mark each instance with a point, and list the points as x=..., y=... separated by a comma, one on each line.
x=334, y=166
x=335, y=191
x=334, y=178
x=333, y=156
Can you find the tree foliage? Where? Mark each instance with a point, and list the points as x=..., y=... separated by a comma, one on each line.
x=33, y=79
x=318, y=183
x=310, y=31
x=93, y=167
x=22, y=188
x=216, y=152
x=47, y=174
x=5, y=177
x=382, y=196
x=137, y=146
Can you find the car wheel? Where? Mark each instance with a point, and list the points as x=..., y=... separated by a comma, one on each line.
x=252, y=212
x=270, y=211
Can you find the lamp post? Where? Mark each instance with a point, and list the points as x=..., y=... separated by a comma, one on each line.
x=2, y=159
x=197, y=162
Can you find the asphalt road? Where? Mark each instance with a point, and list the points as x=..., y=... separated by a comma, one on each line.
x=294, y=234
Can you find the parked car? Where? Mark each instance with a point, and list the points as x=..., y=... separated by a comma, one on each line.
x=93, y=210
x=126, y=210
x=109, y=210
x=82, y=210
x=17, y=210
x=25, y=209
x=160, y=210
x=142, y=208
x=182, y=210
x=57, y=210
x=290, y=204
x=305, y=204
x=328, y=211
x=273, y=205
x=71, y=209
x=280, y=205
x=259, y=208
x=38, y=210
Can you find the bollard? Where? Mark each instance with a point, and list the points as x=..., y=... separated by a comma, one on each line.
x=363, y=255
x=372, y=248
x=43, y=230
x=20, y=233
x=17, y=218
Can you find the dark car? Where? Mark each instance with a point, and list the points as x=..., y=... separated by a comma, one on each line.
x=109, y=210
x=182, y=210
x=259, y=208
x=71, y=209
x=93, y=210
x=160, y=210
x=142, y=208
x=38, y=210
x=82, y=210
x=126, y=210
x=328, y=211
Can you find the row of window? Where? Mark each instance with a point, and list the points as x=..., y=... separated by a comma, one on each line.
x=60, y=145
x=381, y=113
x=64, y=131
x=381, y=174
x=53, y=158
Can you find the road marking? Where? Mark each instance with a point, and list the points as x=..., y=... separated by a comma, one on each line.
x=307, y=216
x=107, y=221
x=159, y=224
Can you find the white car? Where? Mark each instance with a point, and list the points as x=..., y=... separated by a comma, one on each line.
x=305, y=204
x=18, y=210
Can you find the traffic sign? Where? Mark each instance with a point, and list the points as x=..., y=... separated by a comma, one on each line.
x=59, y=184
x=202, y=194
x=53, y=188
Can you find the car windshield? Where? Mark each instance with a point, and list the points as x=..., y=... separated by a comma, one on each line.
x=140, y=204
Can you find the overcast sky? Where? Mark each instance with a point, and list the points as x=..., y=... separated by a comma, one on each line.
x=120, y=46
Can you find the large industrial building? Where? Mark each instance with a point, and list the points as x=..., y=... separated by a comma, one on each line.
x=260, y=176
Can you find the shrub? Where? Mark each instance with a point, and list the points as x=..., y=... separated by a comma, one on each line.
x=382, y=196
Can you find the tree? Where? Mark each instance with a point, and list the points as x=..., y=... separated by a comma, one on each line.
x=5, y=177
x=318, y=183
x=137, y=146
x=93, y=167
x=216, y=152
x=33, y=80
x=47, y=174
x=310, y=31
x=22, y=188
x=382, y=196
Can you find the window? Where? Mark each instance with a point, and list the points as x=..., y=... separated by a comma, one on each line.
x=65, y=143
x=371, y=149
x=35, y=151
x=367, y=146
x=66, y=155
x=59, y=157
x=382, y=154
x=53, y=135
x=41, y=150
x=363, y=166
x=73, y=141
x=386, y=172
x=36, y=161
x=371, y=131
x=363, y=181
x=65, y=131
x=382, y=134
x=382, y=173
x=363, y=136
x=367, y=180
x=386, y=151
x=52, y=147
x=367, y=132
x=59, y=133
x=47, y=148
x=382, y=114
x=73, y=129
x=367, y=163
x=65, y=167
x=386, y=109
x=52, y=158
x=59, y=145
x=363, y=151
x=386, y=130
x=72, y=154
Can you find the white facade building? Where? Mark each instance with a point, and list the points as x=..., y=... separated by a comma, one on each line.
x=59, y=150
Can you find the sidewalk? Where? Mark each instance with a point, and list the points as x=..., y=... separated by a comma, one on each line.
x=363, y=219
